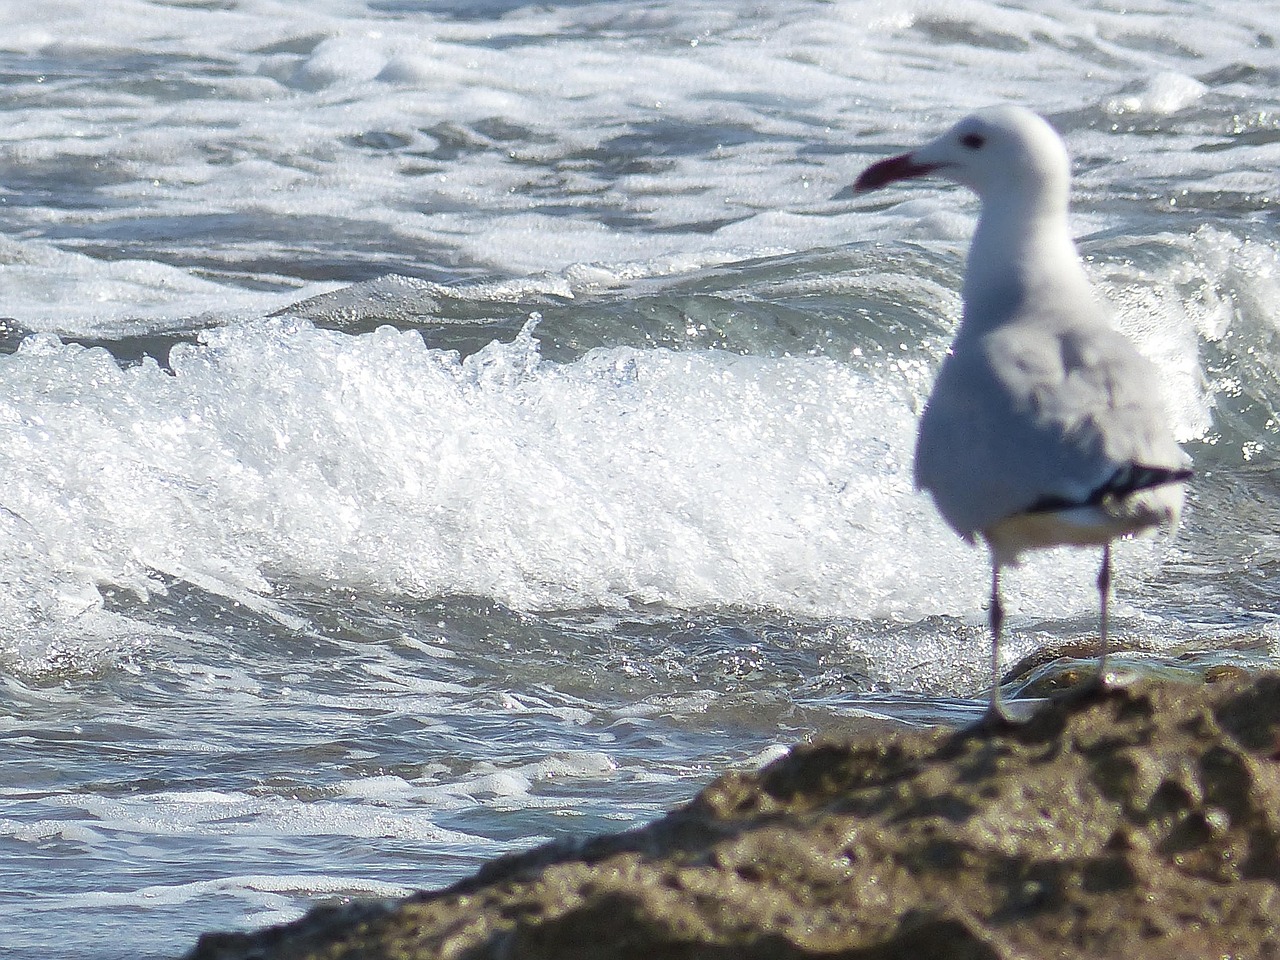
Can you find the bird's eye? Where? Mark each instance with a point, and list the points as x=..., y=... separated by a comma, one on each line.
x=973, y=141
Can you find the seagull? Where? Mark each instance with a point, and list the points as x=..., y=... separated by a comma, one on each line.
x=1044, y=427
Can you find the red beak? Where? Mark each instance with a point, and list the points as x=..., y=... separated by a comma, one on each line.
x=902, y=167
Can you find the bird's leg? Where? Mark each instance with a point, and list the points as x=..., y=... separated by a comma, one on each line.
x=997, y=715
x=1097, y=682
x=1104, y=600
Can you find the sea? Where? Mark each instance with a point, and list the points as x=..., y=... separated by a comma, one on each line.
x=430, y=428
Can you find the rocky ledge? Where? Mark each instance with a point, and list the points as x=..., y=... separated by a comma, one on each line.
x=1144, y=822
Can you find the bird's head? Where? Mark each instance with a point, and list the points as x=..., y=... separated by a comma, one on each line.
x=1003, y=150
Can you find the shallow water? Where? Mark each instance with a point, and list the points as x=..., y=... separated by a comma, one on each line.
x=432, y=428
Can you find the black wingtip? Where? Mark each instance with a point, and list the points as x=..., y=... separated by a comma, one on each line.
x=1125, y=482
x=1134, y=477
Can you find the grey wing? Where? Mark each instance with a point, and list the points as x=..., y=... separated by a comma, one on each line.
x=1025, y=415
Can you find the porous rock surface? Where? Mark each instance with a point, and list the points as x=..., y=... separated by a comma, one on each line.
x=1141, y=823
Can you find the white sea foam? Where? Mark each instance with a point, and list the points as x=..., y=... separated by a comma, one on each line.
x=547, y=138
x=276, y=451
x=266, y=819
x=1164, y=93
x=240, y=886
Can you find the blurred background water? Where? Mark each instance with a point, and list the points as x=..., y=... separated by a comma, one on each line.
x=429, y=427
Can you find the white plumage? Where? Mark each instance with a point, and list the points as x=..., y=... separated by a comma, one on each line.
x=1044, y=426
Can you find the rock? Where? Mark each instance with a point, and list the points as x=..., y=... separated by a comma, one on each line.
x=1140, y=823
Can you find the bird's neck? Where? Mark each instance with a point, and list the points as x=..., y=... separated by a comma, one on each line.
x=1020, y=252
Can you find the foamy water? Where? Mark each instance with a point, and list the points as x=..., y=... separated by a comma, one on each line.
x=431, y=428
